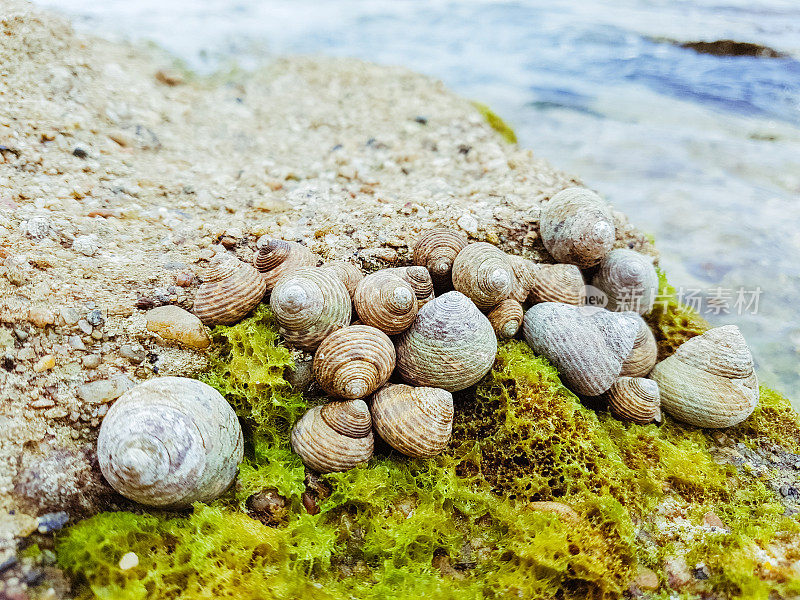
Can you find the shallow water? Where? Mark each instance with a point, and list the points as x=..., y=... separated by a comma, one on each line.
x=701, y=151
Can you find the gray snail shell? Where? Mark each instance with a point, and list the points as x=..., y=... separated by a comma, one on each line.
x=483, y=273
x=230, y=290
x=437, y=250
x=387, y=301
x=629, y=280
x=587, y=346
x=349, y=274
x=420, y=281
x=417, y=421
x=354, y=361
x=334, y=437
x=310, y=304
x=275, y=258
x=524, y=276
x=558, y=283
x=506, y=318
x=643, y=355
x=451, y=345
x=577, y=227
x=634, y=399
x=170, y=441
x=709, y=381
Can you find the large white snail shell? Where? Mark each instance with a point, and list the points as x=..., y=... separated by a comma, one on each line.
x=629, y=280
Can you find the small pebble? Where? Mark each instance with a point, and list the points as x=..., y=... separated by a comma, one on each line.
x=95, y=318
x=47, y=362
x=40, y=316
x=76, y=342
x=468, y=223
x=43, y=403
x=184, y=279
x=88, y=245
x=176, y=324
x=91, y=361
x=71, y=316
x=134, y=355
x=7, y=562
x=646, y=579
x=710, y=519
x=79, y=152
x=97, y=334
x=84, y=326
x=128, y=561
x=52, y=521
x=21, y=334
x=104, y=390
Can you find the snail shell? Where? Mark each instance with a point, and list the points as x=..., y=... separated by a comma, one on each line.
x=386, y=301
x=310, y=304
x=334, y=437
x=629, y=280
x=419, y=278
x=558, y=283
x=506, y=318
x=635, y=399
x=587, y=347
x=451, y=345
x=483, y=274
x=709, y=381
x=276, y=258
x=643, y=355
x=417, y=421
x=349, y=274
x=354, y=361
x=437, y=250
x=230, y=290
x=524, y=276
x=577, y=227
x=170, y=441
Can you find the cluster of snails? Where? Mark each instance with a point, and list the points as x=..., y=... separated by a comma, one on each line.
x=434, y=327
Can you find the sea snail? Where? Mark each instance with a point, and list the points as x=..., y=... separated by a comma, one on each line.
x=275, y=258
x=643, y=355
x=629, y=280
x=709, y=381
x=230, y=290
x=577, y=227
x=334, y=437
x=420, y=281
x=170, y=441
x=558, y=283
x=506, y=318
x=387, y=301
x=437, y=250
x=483, y=273
x=451, y=345
x=634, y=399
x=417, y=421
x=348, y=273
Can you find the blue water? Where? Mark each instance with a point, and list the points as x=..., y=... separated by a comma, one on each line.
x=701, y=151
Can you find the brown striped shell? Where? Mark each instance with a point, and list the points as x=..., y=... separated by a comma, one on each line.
x=420, y=281
x=451, y=345
x=629, y=280
x=437, y=250
x=334, y=437
x=634, y=399
x=577, y=227
x=587, y=346
x=709, y=381
x=275, y=258
x=349, y=274
x=483, y=273
x=417, y=421
x=524, y=276
x=354, y=361
x=506, y=318
x=558, y=283
x=310, y=304
x=230, y=290
x=170, y=441
x=385, y=300
x=643, y=355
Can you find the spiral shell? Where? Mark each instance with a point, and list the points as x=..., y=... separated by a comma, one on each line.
x=451, y=345
x=386, y=301
x=437, y=250
x=310, y=304
x=709, y=381
x=348, y=273
x=643, y=355
x=230, y=290
x=524, y=276
x=354, y=361
x=629, y=280
x=276, y=258
x=587, y=346
x=558, y=283
x=483, y=274
x=634, y=399
x=577, y=227
x=417, y=421
x=334, y=437
x=419, y=278
x=506, y=318
x=170, y=441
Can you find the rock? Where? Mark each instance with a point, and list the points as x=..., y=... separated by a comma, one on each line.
x=566, y=513
x=646, y=579
x=52, y=521
x=268, y=506
x=128, y=561
x=21, y=334
x=84, y=326
x=701, y=572
x=468, y=223
x=37, y=227
x=95, y=318
x=79, y=152
x=104, y=390
x=134, y=355
x=88, y=245
x=169, y=77
x=76, y=342
x=40, y=316
x=91, y=361
x=47, y=362
x=710, y=519
x=678, y=574
x=176, y=324
x=71, y=316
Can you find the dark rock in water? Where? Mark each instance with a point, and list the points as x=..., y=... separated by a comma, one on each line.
x=732, y=48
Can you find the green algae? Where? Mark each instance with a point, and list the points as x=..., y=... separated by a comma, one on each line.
x=496, y=123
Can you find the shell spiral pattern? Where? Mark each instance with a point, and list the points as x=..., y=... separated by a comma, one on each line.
x=348, y=273
x=230, y=290
x=275, y=258
x=506, y=318
x=629, y=280
x=386, y=301
x=558, y=283
x=643, y=355
x=635, y=399
x=437, y=250
x=483, y=273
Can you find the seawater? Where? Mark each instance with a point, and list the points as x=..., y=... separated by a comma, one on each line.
x=701, y=151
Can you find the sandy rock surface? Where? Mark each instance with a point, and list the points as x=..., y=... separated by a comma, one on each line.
x=120, y=178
